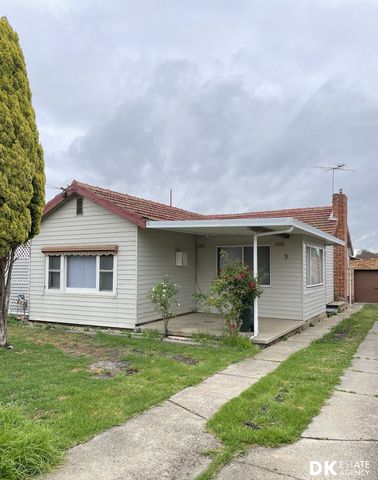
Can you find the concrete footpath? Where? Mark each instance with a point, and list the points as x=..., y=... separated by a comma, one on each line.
x=344, y=434
x=168, y=441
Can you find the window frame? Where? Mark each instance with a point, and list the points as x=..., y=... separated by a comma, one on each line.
x=308, y=271
x=47, y=274
x=85, y=291
x=242, y=247
x=100, y=270
x=79, y=203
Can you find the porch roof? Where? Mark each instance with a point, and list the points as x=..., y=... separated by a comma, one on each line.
x=243, y=226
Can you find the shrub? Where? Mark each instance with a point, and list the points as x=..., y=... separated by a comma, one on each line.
x=26, y=447
x=163, y=296
x=231, y=292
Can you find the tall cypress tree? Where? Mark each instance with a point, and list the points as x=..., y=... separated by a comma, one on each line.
x=22, y=178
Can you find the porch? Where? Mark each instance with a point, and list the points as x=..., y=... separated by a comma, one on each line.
x=270, y=329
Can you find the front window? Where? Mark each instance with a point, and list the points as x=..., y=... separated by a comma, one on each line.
x=314, y=266
x=81, y=272
x=245, y=254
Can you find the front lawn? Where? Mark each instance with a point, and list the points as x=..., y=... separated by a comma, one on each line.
x=71, y=386
x=278, y=408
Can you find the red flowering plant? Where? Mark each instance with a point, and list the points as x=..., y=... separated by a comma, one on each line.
x=231, y=292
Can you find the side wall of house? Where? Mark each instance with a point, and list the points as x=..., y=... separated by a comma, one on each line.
x=157, y=257
x=314, y=297
x=283, y=298
x=95, y=227
x=329, y=274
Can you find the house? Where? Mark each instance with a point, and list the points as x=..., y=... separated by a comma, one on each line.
x=365, y=279
x=99, y=252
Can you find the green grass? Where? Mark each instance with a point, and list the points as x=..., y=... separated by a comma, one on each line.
x=278, y=408
x=60, y=402
x=26, y=447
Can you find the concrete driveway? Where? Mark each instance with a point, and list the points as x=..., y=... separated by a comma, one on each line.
x=345, y=431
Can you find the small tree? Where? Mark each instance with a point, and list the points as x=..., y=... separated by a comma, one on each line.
x=163, y=296
x=231, y=292
x=22, y=178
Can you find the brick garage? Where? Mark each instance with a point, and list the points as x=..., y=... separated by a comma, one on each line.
x=365, y=280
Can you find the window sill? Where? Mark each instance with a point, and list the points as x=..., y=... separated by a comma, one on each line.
x=316, y=285
x=85, y=293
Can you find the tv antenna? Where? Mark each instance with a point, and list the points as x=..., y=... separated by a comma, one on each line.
x=48, y=185
x=340, y=167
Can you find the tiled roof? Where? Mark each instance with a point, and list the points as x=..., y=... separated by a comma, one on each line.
x=318, y=217
x=138, y=210
x=365, y=264
x=147, y=209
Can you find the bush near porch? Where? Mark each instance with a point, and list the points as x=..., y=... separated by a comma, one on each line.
x=58, y=389
x=231, y=293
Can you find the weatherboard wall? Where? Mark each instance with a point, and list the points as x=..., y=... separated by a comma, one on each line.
x=329, y=274
x=314, y=297
x=156, y=258
x=96, y=226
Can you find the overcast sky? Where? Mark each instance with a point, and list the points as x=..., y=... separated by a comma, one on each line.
x=230, y=103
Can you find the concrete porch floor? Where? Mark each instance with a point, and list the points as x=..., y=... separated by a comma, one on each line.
x=271, y=329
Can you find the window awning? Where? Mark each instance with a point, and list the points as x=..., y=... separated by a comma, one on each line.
x=81, y=250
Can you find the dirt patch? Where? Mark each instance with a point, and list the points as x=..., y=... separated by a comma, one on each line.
x=78, y=348
x=252, y=425
x=340, y=334
x=131, y=371
x=108, y=362
x=184, y=359
x=110, y=368
x=280, y=397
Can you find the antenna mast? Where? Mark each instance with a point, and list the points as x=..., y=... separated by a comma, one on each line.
x=339, y=167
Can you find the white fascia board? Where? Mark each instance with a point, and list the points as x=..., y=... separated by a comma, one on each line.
x=221, y=222
x=278, y=222
x=330, y=239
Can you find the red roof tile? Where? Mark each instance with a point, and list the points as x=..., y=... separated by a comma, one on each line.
x=145, y=208
x=138, y=210
x=318, y=217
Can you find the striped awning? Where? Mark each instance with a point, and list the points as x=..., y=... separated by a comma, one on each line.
x=81, y=250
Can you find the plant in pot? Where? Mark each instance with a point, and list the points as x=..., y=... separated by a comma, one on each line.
x=163, y=296
x=232, y=294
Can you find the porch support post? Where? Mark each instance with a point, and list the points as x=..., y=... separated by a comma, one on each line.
x=255, y=302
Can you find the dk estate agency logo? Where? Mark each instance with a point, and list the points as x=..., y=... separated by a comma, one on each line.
x=342, y=469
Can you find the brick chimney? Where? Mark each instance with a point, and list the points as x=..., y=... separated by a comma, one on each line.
x=340, y=253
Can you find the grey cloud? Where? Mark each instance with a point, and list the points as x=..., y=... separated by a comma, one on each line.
x=230, y=103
